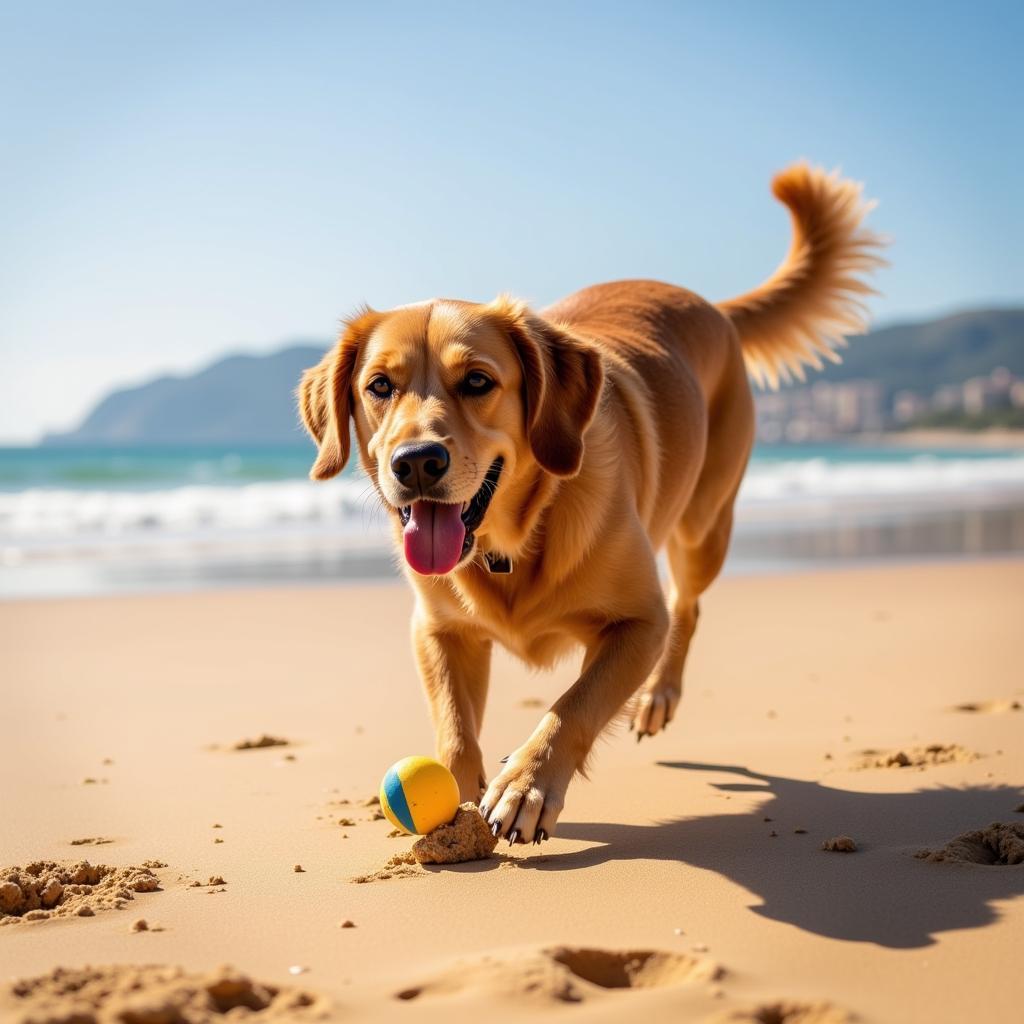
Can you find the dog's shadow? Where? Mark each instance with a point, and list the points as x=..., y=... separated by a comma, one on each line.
x=880, y=894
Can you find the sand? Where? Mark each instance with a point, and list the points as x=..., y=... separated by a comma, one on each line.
x=46, y=889
x=158, y=995
x=664, y=892
x=998, y=844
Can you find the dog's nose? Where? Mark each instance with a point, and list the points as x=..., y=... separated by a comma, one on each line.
x=419, y=466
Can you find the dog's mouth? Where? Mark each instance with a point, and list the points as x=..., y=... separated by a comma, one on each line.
x=437, y=536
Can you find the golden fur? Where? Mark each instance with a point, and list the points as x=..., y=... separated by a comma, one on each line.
x=625, y=420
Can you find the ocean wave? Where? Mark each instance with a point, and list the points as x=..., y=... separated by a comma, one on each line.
x=38, y=515
x=924, y=476
x=346, y=510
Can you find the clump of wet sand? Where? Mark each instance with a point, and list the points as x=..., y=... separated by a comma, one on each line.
x=45, y=889
x=466, y=837
x=110, y=995
x=998, y=844
x=839, y=844
x=917, y=757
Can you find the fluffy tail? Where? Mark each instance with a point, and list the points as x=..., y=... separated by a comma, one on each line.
x=801, y=313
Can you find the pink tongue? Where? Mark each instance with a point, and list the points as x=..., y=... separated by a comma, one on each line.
x=433, y=537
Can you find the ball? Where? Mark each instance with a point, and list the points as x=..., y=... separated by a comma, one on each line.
x=418, y=794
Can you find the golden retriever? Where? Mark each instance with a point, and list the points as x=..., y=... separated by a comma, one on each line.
x=534, y=464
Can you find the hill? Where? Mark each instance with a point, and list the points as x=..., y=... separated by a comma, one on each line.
x=236, y=400
x=249, y=398
x=925, y=356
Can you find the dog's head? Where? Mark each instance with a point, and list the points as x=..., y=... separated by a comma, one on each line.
x=452, y=402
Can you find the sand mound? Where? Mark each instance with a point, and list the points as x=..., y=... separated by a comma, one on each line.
x=46, y=889
x=917, y=757
x=786, y=1013
x=154, y=995
x=566, y=974
x=990, y=707
x=467, y=837
x=996, y=845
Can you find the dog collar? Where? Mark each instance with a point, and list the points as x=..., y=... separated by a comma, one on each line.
x=500, y=564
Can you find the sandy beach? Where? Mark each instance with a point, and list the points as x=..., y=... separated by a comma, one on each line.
x=687, y=880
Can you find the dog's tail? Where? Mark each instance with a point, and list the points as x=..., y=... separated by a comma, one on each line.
x=801, y=313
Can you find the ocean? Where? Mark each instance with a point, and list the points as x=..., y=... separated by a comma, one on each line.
x=80, y=521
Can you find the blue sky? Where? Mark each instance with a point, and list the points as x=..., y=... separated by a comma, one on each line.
x=178, y=180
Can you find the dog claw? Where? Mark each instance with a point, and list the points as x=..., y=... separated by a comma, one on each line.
x=513, y=836
x=504, y=760
x=496, y=828
x=541, y=835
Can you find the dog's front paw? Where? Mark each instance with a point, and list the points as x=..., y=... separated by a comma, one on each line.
x=524, y=801
x=655, y=708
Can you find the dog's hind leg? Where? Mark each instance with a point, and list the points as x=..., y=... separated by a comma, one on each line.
x=693, y=568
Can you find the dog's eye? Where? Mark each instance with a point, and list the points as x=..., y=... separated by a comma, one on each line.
x=476, y=382
x=381, y=387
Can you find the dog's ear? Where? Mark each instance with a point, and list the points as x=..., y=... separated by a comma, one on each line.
x=325, y=397
x=562, y=380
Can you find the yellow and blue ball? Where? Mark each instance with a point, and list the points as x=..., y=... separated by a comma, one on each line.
x=418, y=794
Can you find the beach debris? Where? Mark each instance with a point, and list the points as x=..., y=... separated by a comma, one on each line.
x=348, y=924
x=299, y=869
x=917, y=757
x=261, y=742
x=786, y=1012
x=989, y=707
x=140, y=924
x=839, y=844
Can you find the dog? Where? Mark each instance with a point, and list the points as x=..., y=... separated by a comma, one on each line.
x=534, y=465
